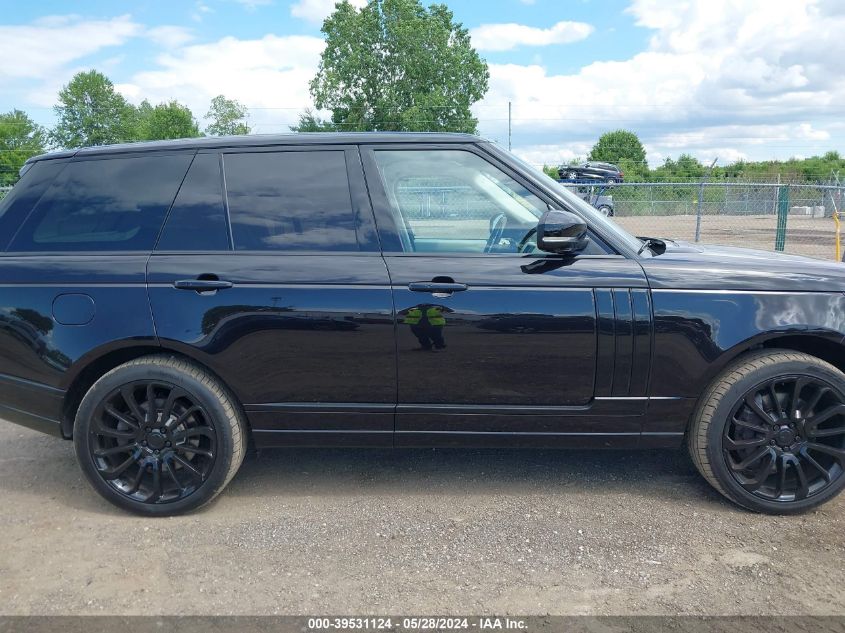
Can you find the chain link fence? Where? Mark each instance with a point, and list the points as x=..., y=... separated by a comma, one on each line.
x=793, y=218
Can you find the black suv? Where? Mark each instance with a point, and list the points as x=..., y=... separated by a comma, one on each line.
x=167, y=304
x=593, y=171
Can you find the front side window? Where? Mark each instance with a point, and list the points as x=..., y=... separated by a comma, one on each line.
x=454, y=201
x=114, y=204
x=290, y=201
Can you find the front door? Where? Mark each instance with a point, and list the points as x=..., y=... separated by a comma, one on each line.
x=496, y=342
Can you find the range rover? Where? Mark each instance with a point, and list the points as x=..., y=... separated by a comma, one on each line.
x=165, y=305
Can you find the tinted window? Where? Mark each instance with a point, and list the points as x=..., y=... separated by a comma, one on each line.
x=197, y=221
x=22, y=198
x=290, y=201
x=115, y=204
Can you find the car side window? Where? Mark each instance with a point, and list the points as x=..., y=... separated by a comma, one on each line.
x=24, y=195
x=454, y=201
x=111, y=204
x=290, y=201
x=197, y=221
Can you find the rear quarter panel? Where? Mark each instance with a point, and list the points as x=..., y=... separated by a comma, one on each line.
x=40, y=355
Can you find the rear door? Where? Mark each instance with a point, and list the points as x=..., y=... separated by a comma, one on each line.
x=268, y=271
x=496, y=341
x=77, y=238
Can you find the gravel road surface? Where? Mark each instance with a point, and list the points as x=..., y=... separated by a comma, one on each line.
x=413, y=532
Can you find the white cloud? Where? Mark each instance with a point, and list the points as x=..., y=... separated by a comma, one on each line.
x=718, y=78
x=505, y=37
x=170, y=36
x=318, y=10
x=251, y=5
x=201, y=9
x=270, y=75
x=47, y=45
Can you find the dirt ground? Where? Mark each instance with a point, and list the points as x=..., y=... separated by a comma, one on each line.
x=814, y=237
x=413, y=532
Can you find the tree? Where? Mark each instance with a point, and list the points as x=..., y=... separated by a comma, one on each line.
x=20, y=138
x=166, y=120
x=687, y=167
x=394, y=65
x=310, y=122
x=613, y=147
x=91, y=112
x=228, y=117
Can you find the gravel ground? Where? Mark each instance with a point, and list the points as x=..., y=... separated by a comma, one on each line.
x=413, y=532
x=813, y=237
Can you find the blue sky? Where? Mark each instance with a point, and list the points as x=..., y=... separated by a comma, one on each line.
x=708, y=77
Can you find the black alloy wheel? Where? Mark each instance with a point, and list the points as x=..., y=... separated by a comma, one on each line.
x=159, y=435
x=769, y=431
x=785, y=439
x=152, y=442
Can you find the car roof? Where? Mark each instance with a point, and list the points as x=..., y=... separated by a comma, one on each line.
x=267, y=140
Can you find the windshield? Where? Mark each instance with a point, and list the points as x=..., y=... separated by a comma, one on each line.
x=585, y=209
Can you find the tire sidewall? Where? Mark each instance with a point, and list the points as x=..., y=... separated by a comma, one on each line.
x=719, y=420
x=198, y=390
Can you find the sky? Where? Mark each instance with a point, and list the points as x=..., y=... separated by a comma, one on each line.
x=724, y=79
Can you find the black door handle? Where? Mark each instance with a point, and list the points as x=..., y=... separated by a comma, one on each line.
x=435, y=286
x=201, y=285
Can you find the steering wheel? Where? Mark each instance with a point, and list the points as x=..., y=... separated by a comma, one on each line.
x=524, y=246
x=497, y=229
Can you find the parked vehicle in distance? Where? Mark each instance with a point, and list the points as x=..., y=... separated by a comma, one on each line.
x=167, y=303
x=591, y=170
x=595, y=196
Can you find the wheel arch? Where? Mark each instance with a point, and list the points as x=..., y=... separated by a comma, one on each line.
x=90, y=368
x=828, y=346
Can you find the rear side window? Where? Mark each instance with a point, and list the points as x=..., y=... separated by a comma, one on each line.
x=290, y=201
x=115, y=204
x=24, y=195
x=197, y=221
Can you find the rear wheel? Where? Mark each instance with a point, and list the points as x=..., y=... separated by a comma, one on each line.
x=159, y=436
x=606, y=211
x=769, y=433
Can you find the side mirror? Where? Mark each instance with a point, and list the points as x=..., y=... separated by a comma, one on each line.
x=561, y=232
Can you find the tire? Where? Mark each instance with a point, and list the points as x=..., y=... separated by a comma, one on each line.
x=606, y=211
x=165, y=462
x=611, y=181
x=795, y=392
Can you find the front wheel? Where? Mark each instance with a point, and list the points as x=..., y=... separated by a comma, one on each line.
x=769, y=433
x=159, y=436
x=606, y=211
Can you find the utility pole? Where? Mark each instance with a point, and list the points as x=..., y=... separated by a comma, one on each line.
x=509, y=126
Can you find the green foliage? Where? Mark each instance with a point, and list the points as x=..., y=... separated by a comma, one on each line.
x=633, y=172
x=91, y=112
x=551, y=171
x=614, y=147
x=310, y=122
x=20, y=138
x=228, y=117
x=685, y=168
x=395, y=65
x=812, y=170
x=164, y=121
